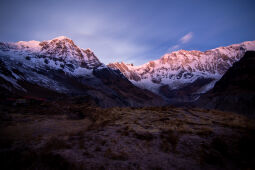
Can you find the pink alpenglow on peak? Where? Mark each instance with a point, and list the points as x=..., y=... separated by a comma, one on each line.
x=178, y=69
x=61, y=38
x=60, y=49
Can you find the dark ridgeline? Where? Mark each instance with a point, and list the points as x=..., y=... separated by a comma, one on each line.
x=235, y=91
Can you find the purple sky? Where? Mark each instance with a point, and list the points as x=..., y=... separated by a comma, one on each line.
x=130, y=30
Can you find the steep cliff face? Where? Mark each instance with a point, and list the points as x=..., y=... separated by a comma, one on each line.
x=183, y=69
x=58, y=66
x=235, y=91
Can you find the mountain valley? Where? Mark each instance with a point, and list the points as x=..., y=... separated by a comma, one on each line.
x=61, y=108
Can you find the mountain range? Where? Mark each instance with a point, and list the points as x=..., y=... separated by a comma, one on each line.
x=61, y=108
x=59, y=68
x=182, y=76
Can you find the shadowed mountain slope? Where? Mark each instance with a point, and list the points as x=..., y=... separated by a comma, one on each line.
x=235, y=91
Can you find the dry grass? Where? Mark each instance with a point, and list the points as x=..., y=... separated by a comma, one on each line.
x=204, y=131
x=170, y=140
x=55, y=143
x=143, y=135
x=120, y=155
x=147, y=137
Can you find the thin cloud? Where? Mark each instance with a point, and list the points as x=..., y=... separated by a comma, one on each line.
x=186, y=38
x=110, y=42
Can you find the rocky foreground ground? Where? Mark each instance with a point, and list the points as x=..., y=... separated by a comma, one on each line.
x=61, y=135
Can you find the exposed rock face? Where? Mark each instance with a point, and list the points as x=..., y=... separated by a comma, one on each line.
x=131, y=75
x=182, y=68
x=235, y=91
x=58, y=67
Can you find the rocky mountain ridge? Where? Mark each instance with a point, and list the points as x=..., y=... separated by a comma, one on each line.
x=184, y=75
x=58, y=66
x=61, y=49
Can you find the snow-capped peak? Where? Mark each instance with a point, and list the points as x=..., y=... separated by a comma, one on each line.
x=249, y=45
x=182, y=67
x=89, y=50
x=31, y=45
x=59, y=49
x=60, y=38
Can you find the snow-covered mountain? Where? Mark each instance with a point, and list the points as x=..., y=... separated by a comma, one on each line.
x=57, y=54
x=59, y=66
x=183, y=75
x=60, y=50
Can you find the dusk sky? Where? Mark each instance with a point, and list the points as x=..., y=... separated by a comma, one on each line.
x=133, y=31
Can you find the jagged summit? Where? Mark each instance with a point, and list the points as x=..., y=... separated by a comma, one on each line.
x=60, y=49
x=196, y=70
x=34, y=43
x=58, y=67
x=184, y=74
x=61, y=38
